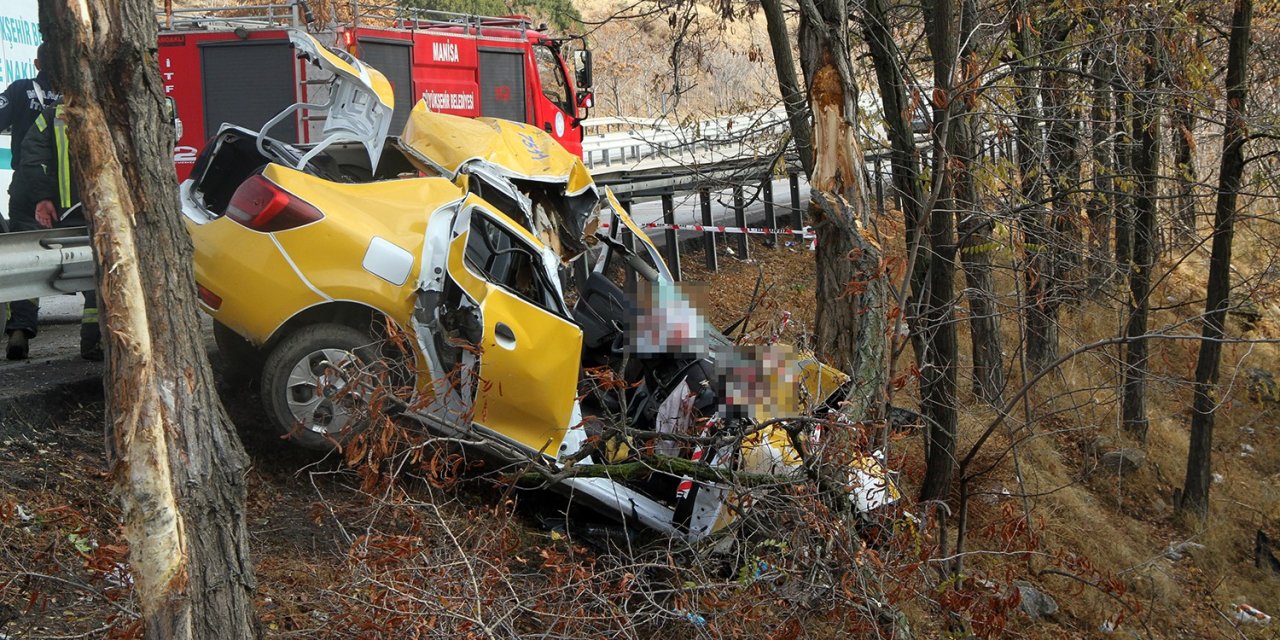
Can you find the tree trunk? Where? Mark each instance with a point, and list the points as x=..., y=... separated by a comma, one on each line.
x=1125, y=152
x=974, y=226
x=1040, y=328
x=1188, y=43
x=177, y=463
x=1195, y=491
x=851, y=293
x=904, y=158
x=793, y=98
x=938, y=329
x=1146, y=164
x=1057, y=250
x=1184, y=163
x=1102, y=202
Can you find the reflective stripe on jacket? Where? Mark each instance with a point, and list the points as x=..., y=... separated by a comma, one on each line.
x=46, y=160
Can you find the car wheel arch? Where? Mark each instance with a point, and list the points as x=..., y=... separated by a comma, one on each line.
x=350, y=313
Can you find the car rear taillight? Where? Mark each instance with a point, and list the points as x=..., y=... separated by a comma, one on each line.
x=209, y=298
x=263, y=206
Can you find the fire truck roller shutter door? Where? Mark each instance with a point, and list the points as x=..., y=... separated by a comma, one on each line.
x=395, y=62
x=248, y=99
x=502, y=88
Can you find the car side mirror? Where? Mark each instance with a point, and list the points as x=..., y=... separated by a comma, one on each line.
x=582, y=69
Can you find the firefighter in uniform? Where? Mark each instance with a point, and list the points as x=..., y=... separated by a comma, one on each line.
x=20, y=105
x=46, y=172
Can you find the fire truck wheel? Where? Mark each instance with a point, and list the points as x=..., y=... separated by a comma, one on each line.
x=316, y=385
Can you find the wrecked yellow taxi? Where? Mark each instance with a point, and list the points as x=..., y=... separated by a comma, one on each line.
x=469, y=238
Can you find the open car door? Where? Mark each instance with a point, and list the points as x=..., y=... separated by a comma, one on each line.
x=524, y=367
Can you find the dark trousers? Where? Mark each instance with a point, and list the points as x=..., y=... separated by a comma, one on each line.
x=23, y=314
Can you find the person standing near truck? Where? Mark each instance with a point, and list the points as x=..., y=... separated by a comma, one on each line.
x=20, y=104
x=48, y=182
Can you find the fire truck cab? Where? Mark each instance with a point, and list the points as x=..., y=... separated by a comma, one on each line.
x=235, y=66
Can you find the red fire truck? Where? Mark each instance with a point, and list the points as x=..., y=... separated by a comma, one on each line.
x=234, y=65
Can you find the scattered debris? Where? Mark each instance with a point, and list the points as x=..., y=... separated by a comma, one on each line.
x=1034, y=602
x=692, y=617
x=1122, y=461
x=1246, y=450
x=1182, y=549
x=1246, y=613
x=1108, y=626
x=1217, y=478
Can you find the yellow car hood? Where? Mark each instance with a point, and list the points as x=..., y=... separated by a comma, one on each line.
x=518, y=151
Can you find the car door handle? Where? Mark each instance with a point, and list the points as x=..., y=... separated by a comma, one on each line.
x=505, y=337
x=547, y=127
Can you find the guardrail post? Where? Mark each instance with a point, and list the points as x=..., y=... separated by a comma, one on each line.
x=708, y=238
x=740, y=219
x=673, y=236
x=770, y=218
x=797, y=216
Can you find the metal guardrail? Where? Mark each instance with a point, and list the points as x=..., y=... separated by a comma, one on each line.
x=45, y=263
x=723, y=137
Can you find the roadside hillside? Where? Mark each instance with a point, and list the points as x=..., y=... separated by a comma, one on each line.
x=677, y=62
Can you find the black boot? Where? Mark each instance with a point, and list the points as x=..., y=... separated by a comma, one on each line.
x=18, y=347
x=90, y=342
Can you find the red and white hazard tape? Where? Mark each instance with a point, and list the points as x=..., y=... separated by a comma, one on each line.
x=806, y=232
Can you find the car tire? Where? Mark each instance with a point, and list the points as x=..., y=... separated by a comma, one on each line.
x=240, y=359
x=306, y=397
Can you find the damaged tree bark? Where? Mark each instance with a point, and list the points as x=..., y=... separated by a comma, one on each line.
x=177, y=462
x=851, y=291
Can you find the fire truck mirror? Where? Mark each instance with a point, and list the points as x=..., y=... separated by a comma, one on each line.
x=171, y=112
x=582, y=69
